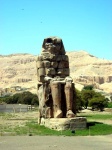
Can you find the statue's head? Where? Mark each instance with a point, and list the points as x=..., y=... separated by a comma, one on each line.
x=53, y=45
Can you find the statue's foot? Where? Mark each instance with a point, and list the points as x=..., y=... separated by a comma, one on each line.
x=70, y=114
x=58, y=114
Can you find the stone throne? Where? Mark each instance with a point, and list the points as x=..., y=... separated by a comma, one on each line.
x=55, y=87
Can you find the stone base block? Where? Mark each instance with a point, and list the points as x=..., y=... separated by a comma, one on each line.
x=65, y=123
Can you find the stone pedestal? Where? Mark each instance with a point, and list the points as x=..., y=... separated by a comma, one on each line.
x=65, y=123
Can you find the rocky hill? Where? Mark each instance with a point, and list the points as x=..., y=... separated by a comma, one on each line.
x=20, y=70
x=88, y=69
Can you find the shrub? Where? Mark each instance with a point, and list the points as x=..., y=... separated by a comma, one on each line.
x=88, y=87
x=79, y=101
x=98, y=103
x=87, y=95
x=109, y=105
x=28, y=98
x=23, y=98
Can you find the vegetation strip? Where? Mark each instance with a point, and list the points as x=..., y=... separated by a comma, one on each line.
x=32, y=128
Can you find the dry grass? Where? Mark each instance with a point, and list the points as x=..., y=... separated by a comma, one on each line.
x=21, y=123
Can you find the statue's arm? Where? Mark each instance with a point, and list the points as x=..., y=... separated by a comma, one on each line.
x=41, y=70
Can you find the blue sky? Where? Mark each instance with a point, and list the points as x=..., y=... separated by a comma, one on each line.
x=82, y=25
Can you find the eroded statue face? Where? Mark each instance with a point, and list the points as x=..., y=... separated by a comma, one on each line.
x=52, y=45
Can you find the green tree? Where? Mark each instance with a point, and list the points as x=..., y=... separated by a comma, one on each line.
x=16, y=98
x=35, y=100
x=86, y=96
x=88, y=87
x=99, y=103
x=111, y=98
x=79, y=101
x=22, y=98
x=8, y=99
x=2, y=100
x=25, y=98
x=28, y=98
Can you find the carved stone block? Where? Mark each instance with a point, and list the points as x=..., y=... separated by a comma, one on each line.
x=47, y=64
x=60, y=71
x=50, y=71
x=41, y=71
x=63, y=64
x=47, y=56
x=39, y=58
x=54, y=64
x=41, y=78
x=66, y=71
x=40, y=64
x=65, y=57
x=66, y=123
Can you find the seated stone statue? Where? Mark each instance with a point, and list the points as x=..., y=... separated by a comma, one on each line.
x=55, y=86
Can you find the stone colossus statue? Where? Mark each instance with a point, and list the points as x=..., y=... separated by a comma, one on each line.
x=55, y=87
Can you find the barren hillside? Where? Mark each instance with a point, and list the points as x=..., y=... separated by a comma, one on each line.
x=20, y=70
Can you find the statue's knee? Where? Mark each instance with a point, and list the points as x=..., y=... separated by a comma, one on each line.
x=68, y=85
x=55, y=85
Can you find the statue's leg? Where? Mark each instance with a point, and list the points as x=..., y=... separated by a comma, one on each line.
x=69, y=99
x=44, y=107
x=56, y=96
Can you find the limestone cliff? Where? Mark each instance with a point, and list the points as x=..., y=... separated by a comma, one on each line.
x=20, y=70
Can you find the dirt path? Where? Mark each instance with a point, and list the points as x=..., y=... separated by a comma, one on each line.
x=56, y=143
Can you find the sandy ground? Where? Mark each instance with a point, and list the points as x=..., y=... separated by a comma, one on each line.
x=56, y=143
